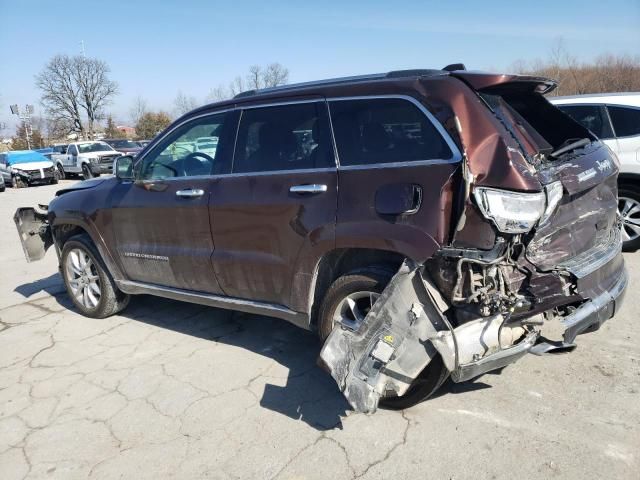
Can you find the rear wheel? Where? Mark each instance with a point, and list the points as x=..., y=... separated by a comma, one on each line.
x=629, y=208
x=350, y=298
x=88, y=282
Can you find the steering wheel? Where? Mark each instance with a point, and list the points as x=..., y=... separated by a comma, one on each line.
x=194, y=155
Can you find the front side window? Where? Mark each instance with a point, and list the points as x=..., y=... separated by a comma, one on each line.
x=283, y=137
x=384, y=130
x=626, y=121
x=592, y=117
x=183, y=154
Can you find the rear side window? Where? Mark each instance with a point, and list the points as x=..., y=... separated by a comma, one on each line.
x=73, y=150
x=592, y=117
x=284, y=137
x=626, y=121
x=385, y=130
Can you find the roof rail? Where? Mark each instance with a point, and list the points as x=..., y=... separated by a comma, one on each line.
x=343, y=80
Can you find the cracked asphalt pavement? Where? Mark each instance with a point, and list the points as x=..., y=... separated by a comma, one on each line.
x=172, y=390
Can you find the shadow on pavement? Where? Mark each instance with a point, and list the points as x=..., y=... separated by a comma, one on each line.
x=309, y=394
x=52, y=285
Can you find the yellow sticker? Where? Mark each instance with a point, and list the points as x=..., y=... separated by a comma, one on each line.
x=388, y=339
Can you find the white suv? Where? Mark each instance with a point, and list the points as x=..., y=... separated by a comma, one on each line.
x=615, y=118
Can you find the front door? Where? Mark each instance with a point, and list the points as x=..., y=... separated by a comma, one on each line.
x=161, y=220
x=275, y=215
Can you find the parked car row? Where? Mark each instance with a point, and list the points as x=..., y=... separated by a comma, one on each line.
x=22, y=168
x=425, y=223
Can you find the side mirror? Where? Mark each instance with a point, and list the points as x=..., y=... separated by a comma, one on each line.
x=123, y=167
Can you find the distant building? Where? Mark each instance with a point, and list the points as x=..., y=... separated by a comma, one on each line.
x=130, y=132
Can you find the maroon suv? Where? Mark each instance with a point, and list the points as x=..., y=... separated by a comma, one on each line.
x=425, y=223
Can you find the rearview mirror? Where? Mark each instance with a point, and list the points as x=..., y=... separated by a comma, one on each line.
x=123, y=167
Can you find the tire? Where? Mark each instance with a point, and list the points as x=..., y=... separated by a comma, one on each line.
x=375, y=279
x=60, y=172
x=54, y=180
x=629, y=200
x=86, y=172
x=108, y=300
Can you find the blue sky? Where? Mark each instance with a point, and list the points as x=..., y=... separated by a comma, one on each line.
x=156, y=49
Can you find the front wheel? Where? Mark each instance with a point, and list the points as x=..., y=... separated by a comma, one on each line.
x=86, y=172
x=87, y=280
x=350, y=298
x=60, y=172
x=629, y=208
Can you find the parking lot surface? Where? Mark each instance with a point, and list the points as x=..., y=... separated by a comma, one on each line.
x=172, y=390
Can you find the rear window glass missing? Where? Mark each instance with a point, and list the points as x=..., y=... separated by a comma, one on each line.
x=537, y=125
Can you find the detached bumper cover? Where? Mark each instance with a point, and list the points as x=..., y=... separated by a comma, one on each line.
x=34, y=231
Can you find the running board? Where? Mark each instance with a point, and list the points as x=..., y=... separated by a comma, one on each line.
x=219, y=301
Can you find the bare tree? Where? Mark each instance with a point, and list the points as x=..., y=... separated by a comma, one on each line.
x=255, y=77
x=236, y=86
x=138, y=109
x=96, y=90
x=607, y=73
x=218, y=94
x=60, y=93
x=275, y=74
x=73, y=86
x=183, y=103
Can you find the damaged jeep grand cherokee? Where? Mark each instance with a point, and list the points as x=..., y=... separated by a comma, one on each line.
x=426, y=223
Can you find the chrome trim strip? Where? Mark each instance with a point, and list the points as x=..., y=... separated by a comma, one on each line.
x=218, y=301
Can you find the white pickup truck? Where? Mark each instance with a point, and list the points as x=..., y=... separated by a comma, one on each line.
x=87, y=158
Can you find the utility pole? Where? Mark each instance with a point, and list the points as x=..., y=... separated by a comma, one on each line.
x=82, y=48
x=25, y=116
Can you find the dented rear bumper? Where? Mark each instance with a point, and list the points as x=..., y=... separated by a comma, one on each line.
x=409, y=325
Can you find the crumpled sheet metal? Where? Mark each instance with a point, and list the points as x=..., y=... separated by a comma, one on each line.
x=390, y=348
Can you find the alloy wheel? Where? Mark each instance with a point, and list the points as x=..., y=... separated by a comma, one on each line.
x=629, y=209
x=83, y=278
x=352, y=309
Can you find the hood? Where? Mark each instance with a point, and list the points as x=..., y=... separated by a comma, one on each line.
x=84, y=185
x=25, y=156
x=32, y=165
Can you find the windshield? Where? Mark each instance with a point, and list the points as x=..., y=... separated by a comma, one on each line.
x=123, y=144
x=93, y=147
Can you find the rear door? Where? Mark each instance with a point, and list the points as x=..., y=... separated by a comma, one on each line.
x=161, y=220
x=395, y=175
x=275, y=215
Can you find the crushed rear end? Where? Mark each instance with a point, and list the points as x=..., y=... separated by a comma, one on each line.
x=535, y=258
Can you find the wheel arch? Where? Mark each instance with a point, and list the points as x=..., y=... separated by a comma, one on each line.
x=338, y=262
x=62, y=229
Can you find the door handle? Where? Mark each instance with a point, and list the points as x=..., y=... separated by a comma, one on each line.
x=190, y=193
x=308, y=188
